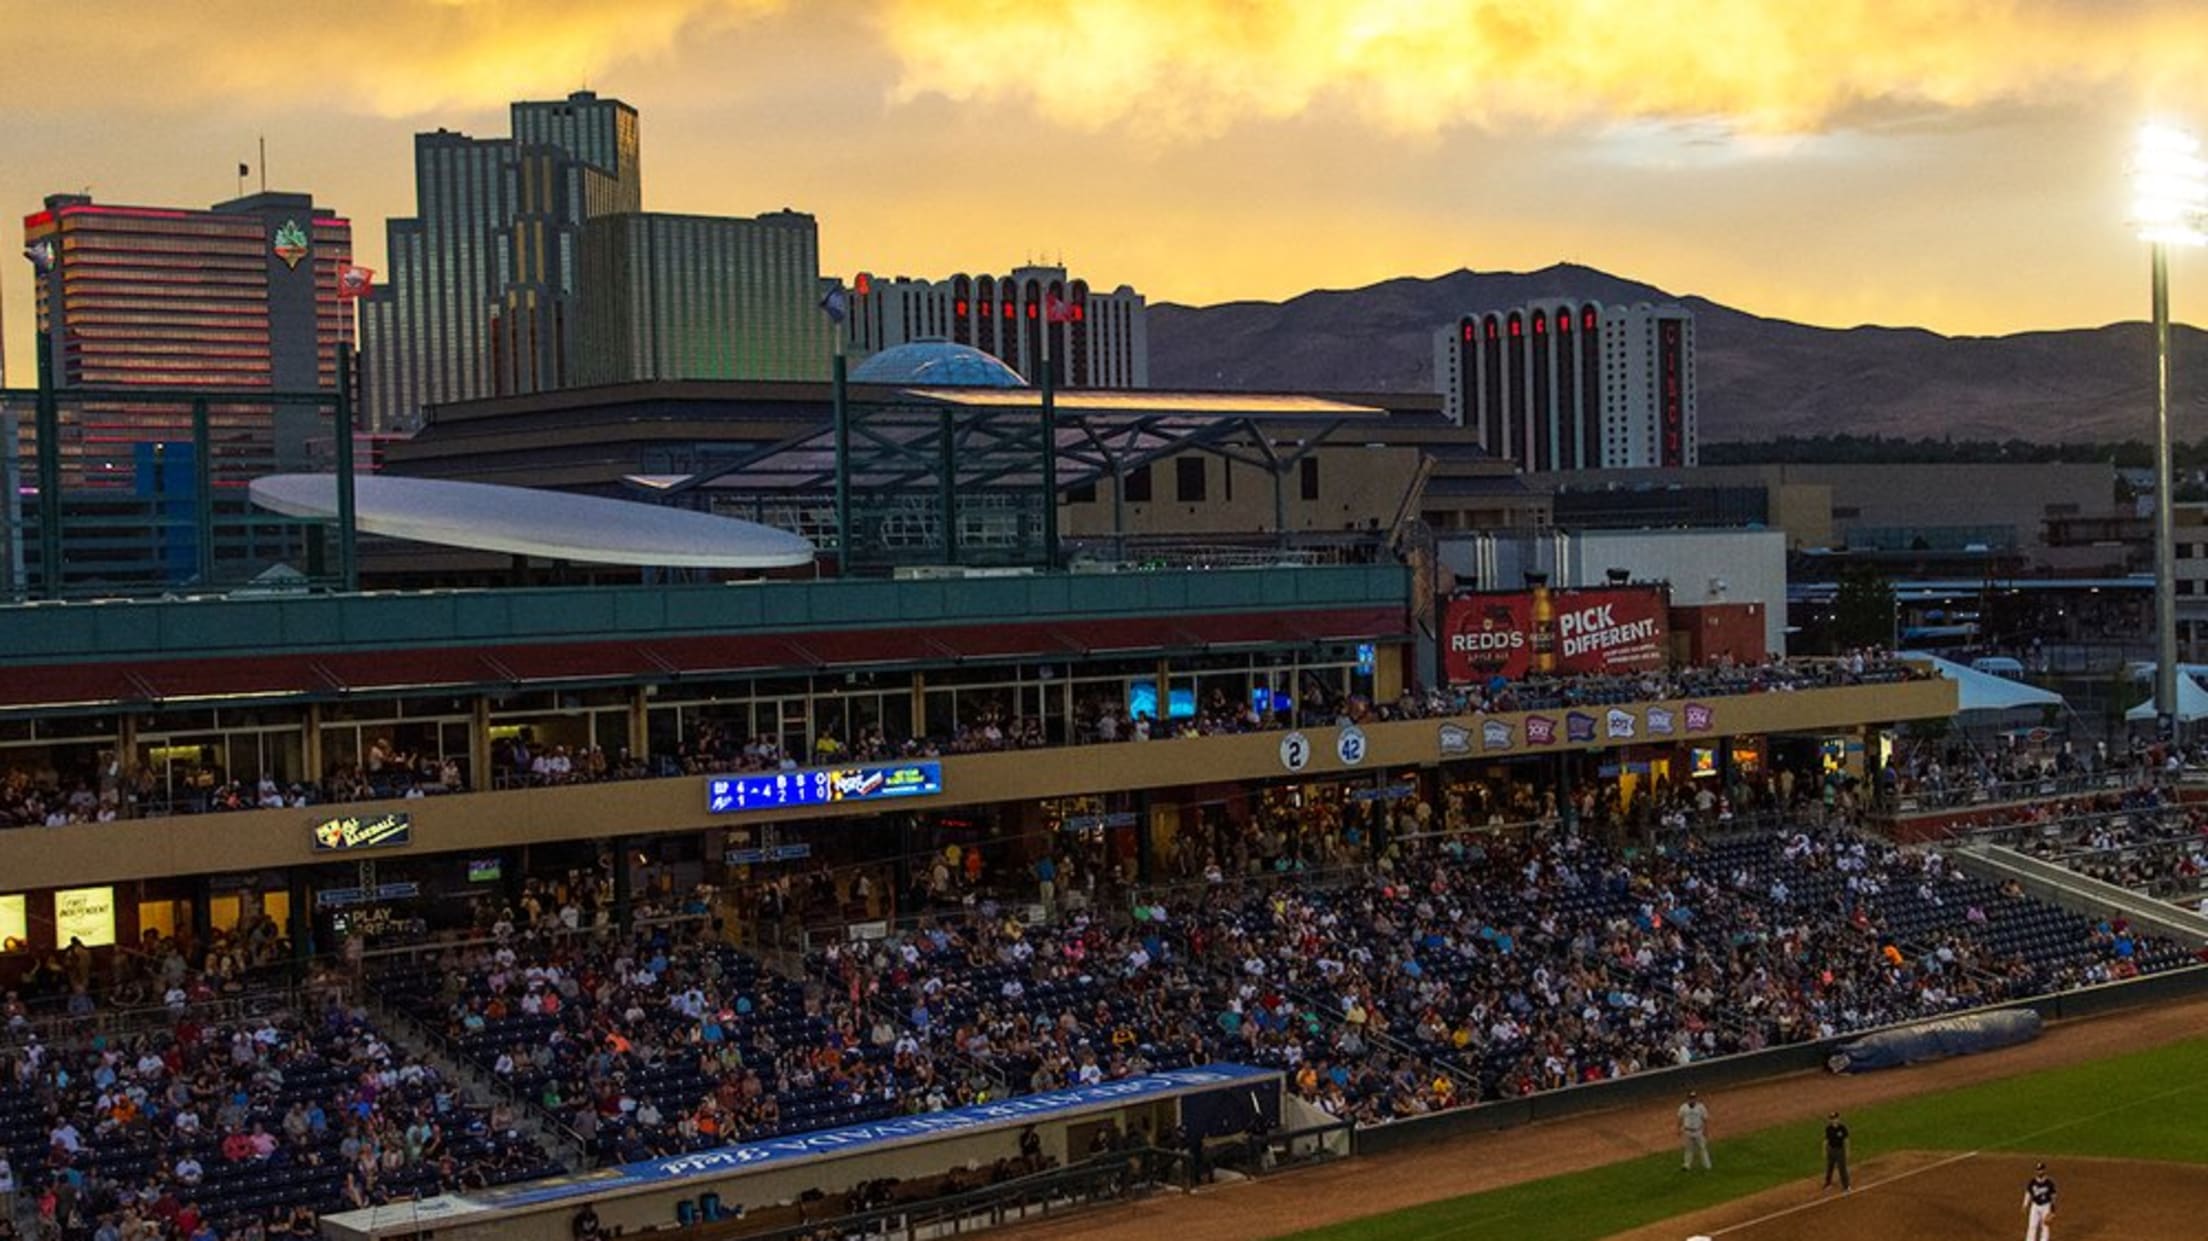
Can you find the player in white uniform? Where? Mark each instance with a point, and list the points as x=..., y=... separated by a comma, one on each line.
x=2039, y=1206
x=1694, y=1133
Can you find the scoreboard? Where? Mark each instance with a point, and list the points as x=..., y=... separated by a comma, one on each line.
x=778, y=790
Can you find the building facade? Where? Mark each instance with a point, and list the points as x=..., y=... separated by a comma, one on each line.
x=478, y=298
x=1104, y=344
x=701, y=297
x=242, y=295
x=1573, y=385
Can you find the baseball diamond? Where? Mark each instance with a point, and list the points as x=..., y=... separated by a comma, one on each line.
x=1941, y=1150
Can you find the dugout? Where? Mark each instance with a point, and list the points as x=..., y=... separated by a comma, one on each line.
x=1210, y=1101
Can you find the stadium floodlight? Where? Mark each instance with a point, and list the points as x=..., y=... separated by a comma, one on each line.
x=2169, y=207
x=2169, y=187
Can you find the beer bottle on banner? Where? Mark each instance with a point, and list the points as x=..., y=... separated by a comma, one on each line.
x=1544, y=629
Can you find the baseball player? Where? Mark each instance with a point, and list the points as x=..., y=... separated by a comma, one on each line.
x=1836, y=1151
x=1694, y=1133
x=2039, y=1206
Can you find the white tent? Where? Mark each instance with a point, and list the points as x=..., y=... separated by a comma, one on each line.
x=2192, y=700
x=1983, y=691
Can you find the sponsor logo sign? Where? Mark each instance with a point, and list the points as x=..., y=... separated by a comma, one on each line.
x=382, y=831
x=291, y=243
x=1455, y=739
x=1485, y=636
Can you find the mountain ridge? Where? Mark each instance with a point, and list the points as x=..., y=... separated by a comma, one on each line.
x=1760, y=377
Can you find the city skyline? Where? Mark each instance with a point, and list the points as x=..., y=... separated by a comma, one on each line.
x=1931, y=163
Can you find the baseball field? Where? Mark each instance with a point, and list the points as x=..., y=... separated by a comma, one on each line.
x=2126, y=1138
x=2117, y=1105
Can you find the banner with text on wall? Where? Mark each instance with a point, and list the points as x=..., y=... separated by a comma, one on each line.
x=1487, y=636
x=1510, y=634
x=1614, y=629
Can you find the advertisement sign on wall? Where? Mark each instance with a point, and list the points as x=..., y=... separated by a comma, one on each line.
x=86, y=914
x=1614, y=630
x=1505, y=634
x=1486, y=636
x=380, y=831
x=15, y=924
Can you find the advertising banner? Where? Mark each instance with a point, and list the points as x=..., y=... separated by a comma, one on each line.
x=1487, y=636
x=85, y=914
x=1621, y=629
x=382, y=831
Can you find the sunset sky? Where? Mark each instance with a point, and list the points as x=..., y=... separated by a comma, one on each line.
x=1946, y=163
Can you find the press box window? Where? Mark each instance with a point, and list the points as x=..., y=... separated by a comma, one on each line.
x=1188, y=480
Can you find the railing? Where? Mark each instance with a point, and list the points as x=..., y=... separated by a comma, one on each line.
x=62, y=1029
x=1994, y=792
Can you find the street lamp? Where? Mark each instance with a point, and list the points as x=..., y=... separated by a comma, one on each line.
x=2169, y=207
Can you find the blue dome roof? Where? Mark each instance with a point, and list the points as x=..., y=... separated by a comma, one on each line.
x=936, y=363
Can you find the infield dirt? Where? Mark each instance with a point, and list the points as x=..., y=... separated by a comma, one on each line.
x=1361, y=1187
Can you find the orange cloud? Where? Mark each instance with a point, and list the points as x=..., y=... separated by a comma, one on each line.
x=386, y=58
x=1195, y=67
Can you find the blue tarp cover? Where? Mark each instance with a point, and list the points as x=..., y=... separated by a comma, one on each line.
x=1937, y=1040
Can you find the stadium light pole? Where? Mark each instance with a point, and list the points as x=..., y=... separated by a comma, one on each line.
x=2169, y=207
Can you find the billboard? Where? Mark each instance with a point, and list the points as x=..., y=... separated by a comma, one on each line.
x=1615, y=629
x=1487, y=636
x=1511, y=634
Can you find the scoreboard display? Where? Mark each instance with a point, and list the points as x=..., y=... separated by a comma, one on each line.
x=776, y=790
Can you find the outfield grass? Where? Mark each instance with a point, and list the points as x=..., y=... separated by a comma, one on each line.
x=2147, y=1105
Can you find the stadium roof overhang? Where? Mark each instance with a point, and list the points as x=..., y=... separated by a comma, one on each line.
x=526, y=521
x=981, y=438
x=452, y=668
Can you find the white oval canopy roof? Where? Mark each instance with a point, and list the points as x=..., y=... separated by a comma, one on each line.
x=526, y=522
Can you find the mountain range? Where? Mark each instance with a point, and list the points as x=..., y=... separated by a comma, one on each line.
x=1759, y=378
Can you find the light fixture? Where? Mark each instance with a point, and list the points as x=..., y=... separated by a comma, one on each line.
x=2169, y=187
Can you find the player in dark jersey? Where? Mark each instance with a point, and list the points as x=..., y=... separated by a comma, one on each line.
x=2039, y=1206
x=1836, y=1152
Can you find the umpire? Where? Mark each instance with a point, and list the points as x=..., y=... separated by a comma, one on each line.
x=1836, y=1151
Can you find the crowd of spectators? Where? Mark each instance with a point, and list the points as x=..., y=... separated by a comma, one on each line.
x=1393, y=960
x=1956, y=771
x=2142, y=837
x=1444, y=968
x=1515, y=964
x=237, y=1126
